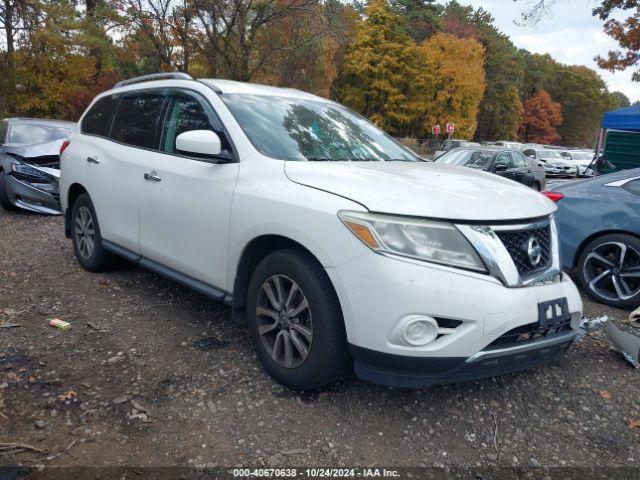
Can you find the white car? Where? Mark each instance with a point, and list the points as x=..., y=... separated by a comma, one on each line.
x=583, y=160
x=553, y=161
x=338, y=247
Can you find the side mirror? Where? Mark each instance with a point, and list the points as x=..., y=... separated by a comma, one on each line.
x=501, y=167
x=199, y=143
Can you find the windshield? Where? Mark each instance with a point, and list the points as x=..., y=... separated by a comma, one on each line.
x=550, y=154
x=30, y=133
x=466, y=158
x=582, y=155
x=302, y=129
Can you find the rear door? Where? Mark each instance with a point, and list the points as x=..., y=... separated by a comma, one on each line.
x=114, y=166
x=186, y=202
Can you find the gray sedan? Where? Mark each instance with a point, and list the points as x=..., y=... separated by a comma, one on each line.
x=30, y=163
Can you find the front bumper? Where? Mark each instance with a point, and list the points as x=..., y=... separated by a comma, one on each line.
x=378, y=293
x=412, y=372
x=561, y=171
x=27, y=197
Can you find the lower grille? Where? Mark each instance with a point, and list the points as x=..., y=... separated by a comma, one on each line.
x=531, y=331
x=520, y=243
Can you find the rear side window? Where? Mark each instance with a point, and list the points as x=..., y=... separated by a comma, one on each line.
x=137, y=119
x=98, y=120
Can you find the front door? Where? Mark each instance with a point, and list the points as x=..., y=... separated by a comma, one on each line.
x=186, y=203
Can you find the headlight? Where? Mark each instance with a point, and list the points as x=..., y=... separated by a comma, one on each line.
x=27, y=172
x=431, y=241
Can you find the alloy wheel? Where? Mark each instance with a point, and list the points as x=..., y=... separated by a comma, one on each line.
x=612, y=271
x=284, y=321
x=85, y=233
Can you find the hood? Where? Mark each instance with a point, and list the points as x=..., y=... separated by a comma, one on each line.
x=45, y=149
x=423, y=189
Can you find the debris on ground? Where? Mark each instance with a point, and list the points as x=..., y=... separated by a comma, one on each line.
x=59, y=324
x=10, y=325
x=624, y=342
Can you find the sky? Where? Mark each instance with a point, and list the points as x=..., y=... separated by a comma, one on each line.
x=571, y=35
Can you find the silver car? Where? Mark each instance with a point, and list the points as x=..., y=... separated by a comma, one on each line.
x=30, y=163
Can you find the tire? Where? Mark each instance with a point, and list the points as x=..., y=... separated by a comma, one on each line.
x=95, y=259
x=328, y=358
x=537, y=186
x=602, y=255
x=5, y=203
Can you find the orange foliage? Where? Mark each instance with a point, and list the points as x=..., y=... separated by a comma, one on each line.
x=541, y=119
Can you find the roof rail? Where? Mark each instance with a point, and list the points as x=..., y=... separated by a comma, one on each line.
x=155, y=76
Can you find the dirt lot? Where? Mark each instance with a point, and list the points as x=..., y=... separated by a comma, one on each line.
x=154, y=374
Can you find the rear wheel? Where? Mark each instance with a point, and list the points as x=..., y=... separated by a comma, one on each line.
x=295, y=321
x=85, y=233
x=5, y=203
x=609, y=270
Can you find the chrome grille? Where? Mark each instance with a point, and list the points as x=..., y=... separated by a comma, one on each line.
x=517, y=241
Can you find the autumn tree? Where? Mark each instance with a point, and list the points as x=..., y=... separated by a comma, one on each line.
x=618, y=100
x=421, y=18
x=450, y=83
x=542, y=117
x=320, y=34
x=379, y=70
x=625, y=31
x=500, y=111
x=584, y=98
x=53, y=71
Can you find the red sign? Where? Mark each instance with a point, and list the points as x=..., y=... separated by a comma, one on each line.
x=436, y=129
x=451, y=127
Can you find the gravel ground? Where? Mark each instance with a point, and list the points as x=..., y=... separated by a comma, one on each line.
x=152, y=373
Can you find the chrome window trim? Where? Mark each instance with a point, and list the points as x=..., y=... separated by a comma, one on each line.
x=498, y=260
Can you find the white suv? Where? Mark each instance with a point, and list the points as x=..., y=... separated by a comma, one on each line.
x=338, y=246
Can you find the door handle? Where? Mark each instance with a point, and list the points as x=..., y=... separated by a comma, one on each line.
x=93, y=160
x=152, y=177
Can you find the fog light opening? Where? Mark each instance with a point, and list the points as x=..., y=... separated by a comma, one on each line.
x=420, y=331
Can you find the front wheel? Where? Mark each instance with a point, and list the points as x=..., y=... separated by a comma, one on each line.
x=609, y=270
x=295, y=321
x=5, y=203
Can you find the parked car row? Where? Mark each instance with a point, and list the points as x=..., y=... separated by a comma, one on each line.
x=557, y=161
x=338, y=247
x=508, y=163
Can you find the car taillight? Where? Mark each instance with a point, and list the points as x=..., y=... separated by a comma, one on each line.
x=64, y=146
x=554, y=196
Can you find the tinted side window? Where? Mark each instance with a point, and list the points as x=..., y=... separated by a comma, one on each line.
x=185, y=114
x=137, y=119
x=518, y=160
x=98, y=120
x=633, y=186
